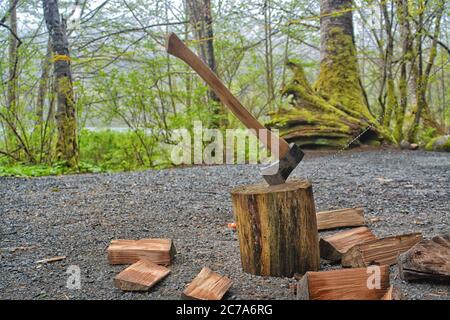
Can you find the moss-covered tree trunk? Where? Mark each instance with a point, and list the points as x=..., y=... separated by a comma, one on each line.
x=334, y=110
x=67, y=145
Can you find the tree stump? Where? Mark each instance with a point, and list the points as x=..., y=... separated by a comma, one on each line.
x=277, y=228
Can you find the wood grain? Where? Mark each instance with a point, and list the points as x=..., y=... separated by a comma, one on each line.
x=393, y=294
x=349, y=217
x=140, y=276
x=207, y=285
x=159, y=251
x=427, y=260
x=334, y=246
x=343, y=284
x=277, y=228
x=382, y=251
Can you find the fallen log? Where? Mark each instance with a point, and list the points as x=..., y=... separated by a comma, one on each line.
x=427, y=260
x=333, y=219
x=343, y=284
x=159, y=251
x=382, y=251
x=207, y=285
x=333, y=247
x=140, y=276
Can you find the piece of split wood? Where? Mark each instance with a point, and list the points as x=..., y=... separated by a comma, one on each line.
x=350, y=217
x=334, y=246
x=343, y=284
x=159, y=251
x=50, y=260
x=393, y=294
x=140, y=276
x=382, y=251
x=427, y=260
x=207, y=285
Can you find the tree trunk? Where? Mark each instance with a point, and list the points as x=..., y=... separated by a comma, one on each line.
x=421, y=77
x=277, y=228
x=405, y=36
x=201, y=20
x=391, y=99
x=67, y=145
x=334, y=110
x=12, y=82
x=269, y=53
x=43, y=84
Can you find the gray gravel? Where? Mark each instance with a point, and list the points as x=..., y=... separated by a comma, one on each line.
x=78, y=215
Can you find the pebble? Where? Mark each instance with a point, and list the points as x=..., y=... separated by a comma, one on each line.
x=192, y=206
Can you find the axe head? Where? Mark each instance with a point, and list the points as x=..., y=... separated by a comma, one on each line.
x=279, y=171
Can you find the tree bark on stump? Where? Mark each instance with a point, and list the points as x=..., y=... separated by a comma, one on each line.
x=277, y=228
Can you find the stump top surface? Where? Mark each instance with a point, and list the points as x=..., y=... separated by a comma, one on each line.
x=263, y=188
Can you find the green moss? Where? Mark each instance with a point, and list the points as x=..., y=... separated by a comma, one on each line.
x=333, y=111
x=441, y=143
x=339, y=75
x=400, y=112
x=391, y=103
x=67, y=144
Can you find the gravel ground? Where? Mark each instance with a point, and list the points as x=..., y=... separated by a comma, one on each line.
x=78, y=215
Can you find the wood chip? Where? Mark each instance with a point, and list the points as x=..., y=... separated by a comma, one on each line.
x=208, y=285
x=427, y=260
x=333, y=247
x=140, y=276
x=159, y=251
x=382, y=251
x=50, y=260
x=343, y=284
x=350, y=217
x=393, y=294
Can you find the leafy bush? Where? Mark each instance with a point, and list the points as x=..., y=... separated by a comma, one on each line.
x=39, y=170
x=425, y=135
x=120, y=151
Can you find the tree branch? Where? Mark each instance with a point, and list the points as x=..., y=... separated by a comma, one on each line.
x=131, y=30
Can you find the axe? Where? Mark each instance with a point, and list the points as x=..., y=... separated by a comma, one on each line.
x=289, y=155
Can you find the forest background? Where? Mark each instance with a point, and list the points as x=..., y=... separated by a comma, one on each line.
x=87, y=86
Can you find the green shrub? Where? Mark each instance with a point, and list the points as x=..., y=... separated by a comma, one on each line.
x=119, y=150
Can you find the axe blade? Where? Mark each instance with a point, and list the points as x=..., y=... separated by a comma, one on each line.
x=277, y=172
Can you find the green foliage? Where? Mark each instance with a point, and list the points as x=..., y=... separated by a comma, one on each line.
x=339, y=77
x=121, y=151
x=124, y=79
x=39, y=170
x=100, y=151
x=425, y=135
x=441, y=143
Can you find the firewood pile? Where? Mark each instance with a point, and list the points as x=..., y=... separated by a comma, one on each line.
x=365, y=258
x=149, y=260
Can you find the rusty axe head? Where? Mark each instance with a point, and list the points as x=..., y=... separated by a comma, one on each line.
x=279, y=171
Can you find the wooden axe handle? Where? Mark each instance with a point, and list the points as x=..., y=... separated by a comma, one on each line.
x=177, y=48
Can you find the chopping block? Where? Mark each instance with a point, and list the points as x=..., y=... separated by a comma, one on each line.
x=277, y=228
